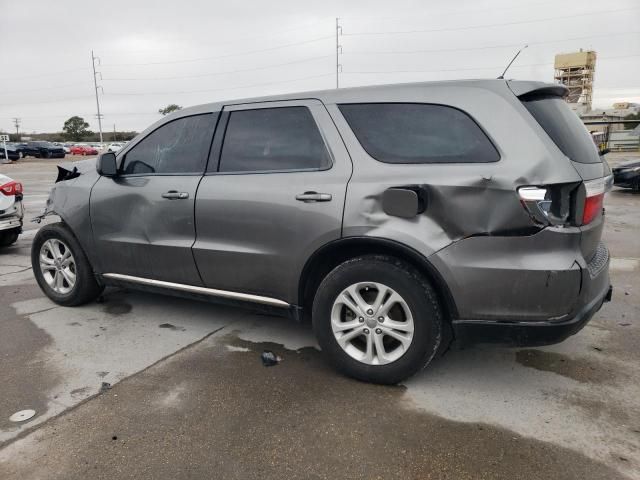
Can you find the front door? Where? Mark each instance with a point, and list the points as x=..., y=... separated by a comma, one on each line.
x=273, y=194
x=143, y=219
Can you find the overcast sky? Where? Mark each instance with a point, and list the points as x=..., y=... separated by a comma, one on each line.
x=189, y=52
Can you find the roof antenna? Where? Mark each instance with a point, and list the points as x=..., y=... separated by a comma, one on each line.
x=501, y=77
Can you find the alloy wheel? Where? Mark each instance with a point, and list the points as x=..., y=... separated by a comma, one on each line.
x=58, y=266
x=372, y=323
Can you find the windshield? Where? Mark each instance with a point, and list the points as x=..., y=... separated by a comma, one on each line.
x=564, y=127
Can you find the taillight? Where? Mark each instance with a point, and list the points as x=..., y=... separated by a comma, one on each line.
x=11, y=188
x=549, y=204
x=594, y=198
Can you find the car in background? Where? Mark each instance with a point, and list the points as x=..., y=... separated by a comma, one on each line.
x=627, y=175
x=114, y=147
x=41, y=150
x=63, y=146
x=11, y=210
x=12, y=151
x=83, y=150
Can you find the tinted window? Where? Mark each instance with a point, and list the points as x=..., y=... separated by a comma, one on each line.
x=564, y=127
x=273, y=139
x=180, y=146
x=418, y=133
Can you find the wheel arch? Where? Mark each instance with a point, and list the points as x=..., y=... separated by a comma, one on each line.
x=327, y=257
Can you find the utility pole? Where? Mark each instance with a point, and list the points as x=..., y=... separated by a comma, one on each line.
x=95, y=84
x=16, y=122
x=338, y=52
x=114, y=132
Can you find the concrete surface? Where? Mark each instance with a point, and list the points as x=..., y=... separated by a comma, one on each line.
x=188, y=396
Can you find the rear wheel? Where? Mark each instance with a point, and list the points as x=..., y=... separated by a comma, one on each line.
x=9, y=237
x=45, y=154
x=377, y=319
x=61, y=267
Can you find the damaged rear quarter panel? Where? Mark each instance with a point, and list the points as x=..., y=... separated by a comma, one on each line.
x=463, y=199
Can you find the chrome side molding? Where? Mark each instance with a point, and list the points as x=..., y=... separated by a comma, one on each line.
x=246, y=297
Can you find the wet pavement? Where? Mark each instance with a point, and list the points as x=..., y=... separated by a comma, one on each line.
x=148, y=386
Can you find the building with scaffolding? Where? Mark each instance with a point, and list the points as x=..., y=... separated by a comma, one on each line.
x=576, y=72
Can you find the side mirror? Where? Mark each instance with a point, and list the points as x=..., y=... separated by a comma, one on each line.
x=106, y=165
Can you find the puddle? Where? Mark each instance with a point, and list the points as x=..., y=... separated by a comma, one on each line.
x=172, y=327
x=116, y=308
x=581, y=370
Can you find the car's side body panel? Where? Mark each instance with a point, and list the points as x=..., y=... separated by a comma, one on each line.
x=252, y=234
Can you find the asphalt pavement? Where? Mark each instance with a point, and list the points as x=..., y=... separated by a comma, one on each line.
x=150, y=386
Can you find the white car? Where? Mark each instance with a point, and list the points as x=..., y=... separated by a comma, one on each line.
x=11, y=210
x=114, y=147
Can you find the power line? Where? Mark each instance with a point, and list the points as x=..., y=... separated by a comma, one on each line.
x=50, y=74
x=224, y=72
x=246, y=52
x=488, y=47
x=12, y=92
x=472, y=27
x=474, y=68
x=223, y=89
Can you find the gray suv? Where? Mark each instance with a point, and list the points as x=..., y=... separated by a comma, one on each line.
x=396, y=218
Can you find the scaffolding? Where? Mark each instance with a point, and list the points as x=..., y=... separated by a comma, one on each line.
x=576, y=72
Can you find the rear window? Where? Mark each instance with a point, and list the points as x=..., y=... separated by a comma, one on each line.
x=418, y=133
x=564, y=127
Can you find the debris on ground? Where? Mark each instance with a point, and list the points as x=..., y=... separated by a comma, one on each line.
x=22, y=415
x=104, y=387
x=269, y=359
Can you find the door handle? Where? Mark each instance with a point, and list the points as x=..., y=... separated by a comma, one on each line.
x=309, y=197
x=175, y=195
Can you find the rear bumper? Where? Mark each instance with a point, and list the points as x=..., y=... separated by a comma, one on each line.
x=527, y=333
x=12, y=219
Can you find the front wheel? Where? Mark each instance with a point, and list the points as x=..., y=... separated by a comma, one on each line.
x=61, y=267
x=377, y=319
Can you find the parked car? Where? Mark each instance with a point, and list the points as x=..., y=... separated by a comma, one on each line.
x=114, y=147
x=12, y=152
x=41, y=150
x=627, y=174
x=394, y=217
x=83, y=150
x=11, y=210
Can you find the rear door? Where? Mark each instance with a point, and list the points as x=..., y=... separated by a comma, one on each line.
x=273, y=194
x=143, y=219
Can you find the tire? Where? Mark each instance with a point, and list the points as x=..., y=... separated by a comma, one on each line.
x=45, y=154
x=85, y=288
x=9, y=237
x=418, y=304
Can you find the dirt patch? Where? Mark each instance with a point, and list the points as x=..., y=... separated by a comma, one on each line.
x=170, y=326
x=582, y=370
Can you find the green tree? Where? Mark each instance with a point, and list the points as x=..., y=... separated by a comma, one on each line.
x=172, y=107
x=76, y=129
x=632, y=116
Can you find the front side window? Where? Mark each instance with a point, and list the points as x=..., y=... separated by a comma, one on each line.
x=273, y=139
x=418, y=133
x=180, y=147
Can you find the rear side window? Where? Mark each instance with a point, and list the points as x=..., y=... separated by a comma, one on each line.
x=418, y=133
x=273, y=139
x=564, y=127
x=179, y=147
